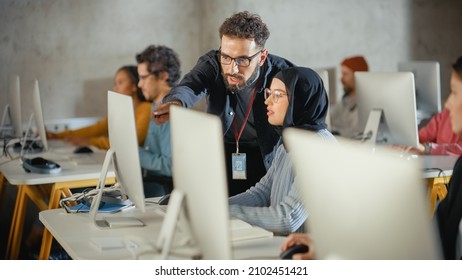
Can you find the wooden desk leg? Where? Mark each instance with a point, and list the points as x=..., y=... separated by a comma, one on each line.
x=431, y=194
x=56, y=190
x=36, y=195
x=45, y=248
x=437, y=191
x=17, y=222
x=441, y=191
x=47, y=239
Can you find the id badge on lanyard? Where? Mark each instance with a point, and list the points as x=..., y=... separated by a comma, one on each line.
x=239, y=166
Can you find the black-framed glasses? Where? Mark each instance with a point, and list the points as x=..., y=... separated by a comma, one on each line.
x=144, y=77
x=242, y=61
x=276, y=94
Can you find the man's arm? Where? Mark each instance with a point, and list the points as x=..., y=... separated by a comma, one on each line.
x=192, y=88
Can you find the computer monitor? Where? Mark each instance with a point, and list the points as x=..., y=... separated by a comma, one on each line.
x=324, y=74
x=200, y=186
x=13, y=108
x=362, y=203
x=38, y=116
x=427, y=86
x=386, y=107
x=123, y=153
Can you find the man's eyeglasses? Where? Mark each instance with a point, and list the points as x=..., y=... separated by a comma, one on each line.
x=276, y=94
x=154, y=73
x=144, y=77
x=242, y=61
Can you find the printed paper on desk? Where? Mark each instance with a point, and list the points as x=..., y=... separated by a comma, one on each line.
x=241, y=230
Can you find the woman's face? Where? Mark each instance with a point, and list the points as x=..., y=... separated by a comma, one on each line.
x=277, y=102
x=123, y=84
x=454, y=103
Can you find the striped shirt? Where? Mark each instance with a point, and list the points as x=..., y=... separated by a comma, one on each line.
x=274, y=203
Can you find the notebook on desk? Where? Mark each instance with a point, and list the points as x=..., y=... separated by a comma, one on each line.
x=239, y=229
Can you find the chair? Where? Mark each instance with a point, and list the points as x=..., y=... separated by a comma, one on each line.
x=165, y=182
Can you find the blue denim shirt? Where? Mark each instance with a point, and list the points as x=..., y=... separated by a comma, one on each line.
x=156, y=153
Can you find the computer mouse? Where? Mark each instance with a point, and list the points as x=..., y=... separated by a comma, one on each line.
x=83, y=150
x=30, y=146
x=40, y=165
x=287, y=254
x=164, y=199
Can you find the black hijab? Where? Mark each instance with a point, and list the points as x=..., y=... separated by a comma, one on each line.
x=308, y=102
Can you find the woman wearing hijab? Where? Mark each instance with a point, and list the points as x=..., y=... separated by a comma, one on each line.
x=297, y=98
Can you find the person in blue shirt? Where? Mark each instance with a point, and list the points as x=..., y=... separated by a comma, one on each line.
x=297, y=98
x=159, y=70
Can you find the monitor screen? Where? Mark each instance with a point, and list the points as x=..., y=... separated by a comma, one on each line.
x=199, y=174
x=427, y=86
x=375, y=205
x=393, y=95
x=14, y=100
x=123, y=154
x=38, y=116
x=124, y=144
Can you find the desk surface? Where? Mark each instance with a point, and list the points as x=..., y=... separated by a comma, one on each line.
x=75, y=167
x=79, y=236
x=438, y=166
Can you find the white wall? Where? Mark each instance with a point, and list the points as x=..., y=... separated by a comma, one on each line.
x=75, y=47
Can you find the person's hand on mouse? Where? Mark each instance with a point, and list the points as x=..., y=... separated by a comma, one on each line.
x=78, y=141
x=296, y=239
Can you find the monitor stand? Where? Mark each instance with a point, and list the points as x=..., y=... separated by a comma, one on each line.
x=176, y=217
x=372, y=127
x=109, y=222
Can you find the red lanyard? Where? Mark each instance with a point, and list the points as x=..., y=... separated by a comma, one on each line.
x=236, y=135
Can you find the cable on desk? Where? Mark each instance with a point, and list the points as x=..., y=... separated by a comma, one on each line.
x=85, y=196
x=440, y=174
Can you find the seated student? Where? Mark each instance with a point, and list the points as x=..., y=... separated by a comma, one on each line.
x=449, y=211
x=437, y=137
x=159, y=70
x=125, y=82
x=297, y=98
x=344, y=114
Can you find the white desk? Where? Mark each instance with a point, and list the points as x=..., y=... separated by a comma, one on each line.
x=76, y=232
x=437, y=166
x=78, y=170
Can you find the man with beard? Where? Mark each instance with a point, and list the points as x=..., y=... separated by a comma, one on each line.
x=233, y=79
x=344, y=115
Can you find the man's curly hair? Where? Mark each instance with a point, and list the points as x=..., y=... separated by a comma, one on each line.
x=245, y=25
x=160, y=59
